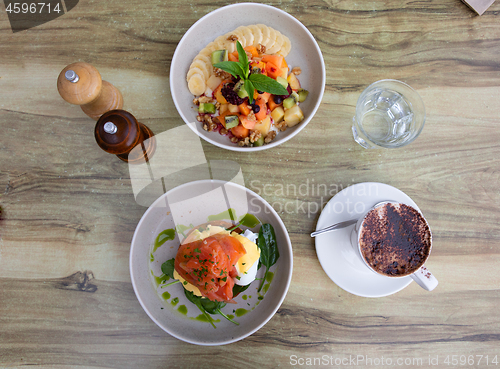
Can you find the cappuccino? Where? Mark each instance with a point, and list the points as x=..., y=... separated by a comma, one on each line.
x=395, y=239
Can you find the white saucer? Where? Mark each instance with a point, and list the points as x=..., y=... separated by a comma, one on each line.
x=334, y=250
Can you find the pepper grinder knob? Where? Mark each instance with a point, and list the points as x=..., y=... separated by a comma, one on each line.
x=118, y=132
x=81, y=84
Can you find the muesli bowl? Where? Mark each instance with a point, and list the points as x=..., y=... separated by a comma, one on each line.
x=305, y=53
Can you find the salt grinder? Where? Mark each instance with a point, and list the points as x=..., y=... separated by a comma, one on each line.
x=81, y=84
x=118, y=132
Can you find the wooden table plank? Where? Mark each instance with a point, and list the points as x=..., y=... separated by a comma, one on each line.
x=69, y=212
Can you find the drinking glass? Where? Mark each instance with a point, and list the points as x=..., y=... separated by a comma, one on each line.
x=389, y=113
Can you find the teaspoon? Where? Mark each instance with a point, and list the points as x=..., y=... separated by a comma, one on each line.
x=346, y=223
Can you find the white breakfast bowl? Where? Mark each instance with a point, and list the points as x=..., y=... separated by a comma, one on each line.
x=305, y=53
x=188, y=204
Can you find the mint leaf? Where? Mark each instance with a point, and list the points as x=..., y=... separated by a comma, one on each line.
x=232, y=68
x=250, y=90
x=243, y=59
x=267, y=84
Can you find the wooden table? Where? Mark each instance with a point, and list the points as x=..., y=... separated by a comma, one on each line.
x=69, y=214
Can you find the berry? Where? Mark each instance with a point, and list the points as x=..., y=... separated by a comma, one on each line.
x=231, y=95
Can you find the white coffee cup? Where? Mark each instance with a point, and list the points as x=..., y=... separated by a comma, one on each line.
x=419, y=274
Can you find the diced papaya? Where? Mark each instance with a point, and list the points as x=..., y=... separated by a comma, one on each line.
x=247, y=122
x=233, y=56
x=240, y=132
x=221, y=117
x=263, y=108
x=259, y=65
x=277, y=60
x=272, y=70
x=252, y=50
x=244, y=108
x=218, y=94
x=271, y=104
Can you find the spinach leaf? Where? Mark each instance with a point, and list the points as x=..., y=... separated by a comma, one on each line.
x=197, y=301
x=168, y=268
x=269, y=253
x=237, y=289
x=208, y=307
x=214, y=307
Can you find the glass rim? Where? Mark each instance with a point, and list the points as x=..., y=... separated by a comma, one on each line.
x=419, y=100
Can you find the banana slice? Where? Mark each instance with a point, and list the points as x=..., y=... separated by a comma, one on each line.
x=286, y=47
x=221, y=45
x=249, y=38
x=193, y=71
x=278, y=43
x=211, y=47
x=271, y=41
x=238, y=32
x=257, y=34
x=205, y=52
x=266, y=35
x=204, y=59
x=201, y=70
x=220, y=40
x=197, y=84
x=204, y=68
x=230, y=46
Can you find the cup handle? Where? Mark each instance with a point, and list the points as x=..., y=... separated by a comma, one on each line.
x=425, y=279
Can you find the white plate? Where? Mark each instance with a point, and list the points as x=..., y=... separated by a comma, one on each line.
x=334, y=250
x=305, y=53
x=192, y=203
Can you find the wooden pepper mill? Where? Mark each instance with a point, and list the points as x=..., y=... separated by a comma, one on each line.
x=118, y=132
x=81, y=84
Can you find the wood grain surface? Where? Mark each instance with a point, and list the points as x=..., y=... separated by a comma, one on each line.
x=68, y=211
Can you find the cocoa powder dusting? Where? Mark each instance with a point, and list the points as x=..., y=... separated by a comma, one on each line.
x=395, y=239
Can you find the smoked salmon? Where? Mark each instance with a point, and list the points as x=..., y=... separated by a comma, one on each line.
x=209, y=264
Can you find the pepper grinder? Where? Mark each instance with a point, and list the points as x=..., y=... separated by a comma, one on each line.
x=118, y=132
x=81, y=84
